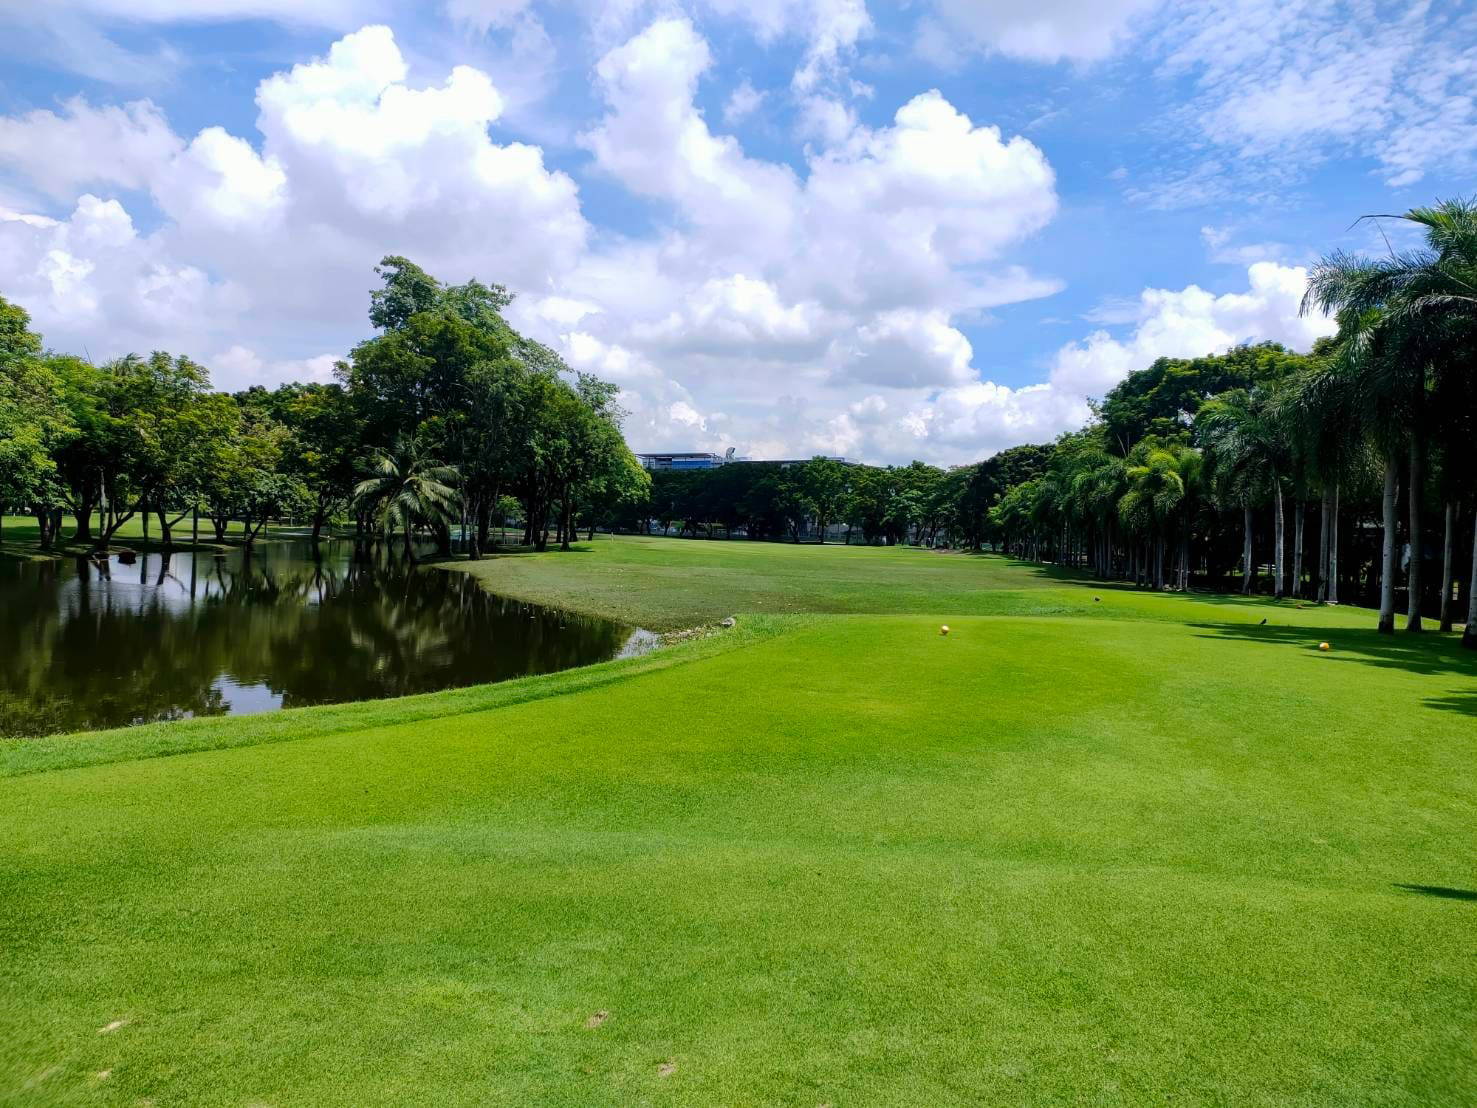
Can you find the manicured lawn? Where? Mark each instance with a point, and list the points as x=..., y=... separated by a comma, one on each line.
x=664, y=584
x=1139, y=849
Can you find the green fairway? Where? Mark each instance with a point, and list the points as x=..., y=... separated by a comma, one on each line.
x=1095, y=846
x=664, y=584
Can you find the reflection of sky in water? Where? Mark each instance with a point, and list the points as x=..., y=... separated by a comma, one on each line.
x=246, y=700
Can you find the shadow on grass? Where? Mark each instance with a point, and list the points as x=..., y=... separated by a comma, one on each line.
x=1428, y=653
x=1465, y=703
x=1440, y=891
x=1073, y=575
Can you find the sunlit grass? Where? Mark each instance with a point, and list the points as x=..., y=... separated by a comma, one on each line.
x=1095, y=846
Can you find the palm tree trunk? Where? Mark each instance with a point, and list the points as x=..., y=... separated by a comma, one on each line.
x=1333, y=547
x=1387, y=560
x=1469, y=633
x=1322, y=595
x=1413, y=578
x=1298, y=521
x=1246, y=550
x=1279, y=540
x=1185, y=554
x=1448, y=556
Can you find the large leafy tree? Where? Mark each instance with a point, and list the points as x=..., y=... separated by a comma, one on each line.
x=1163, y=400
x=35, y=423
x=320, y=451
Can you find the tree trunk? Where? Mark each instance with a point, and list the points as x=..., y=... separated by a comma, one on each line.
x=1297, y=547
x=1448, y=557
x=1387, y=559
x=1185, y=555
x=1413, y=578
x=1333, y=547
x=166, y=530
x=1246, y=566
x=1469, y=633
x=43, y=523
x=1321, y=595
x=83, y=533
x=1279, y=552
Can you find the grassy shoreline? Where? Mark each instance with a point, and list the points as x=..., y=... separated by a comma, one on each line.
x=20, y=539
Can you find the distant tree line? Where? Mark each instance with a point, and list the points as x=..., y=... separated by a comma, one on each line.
x=446, y=418
x=795, y=502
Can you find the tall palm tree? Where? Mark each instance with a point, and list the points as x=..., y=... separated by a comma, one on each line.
x=408, y=487
x=1098, y=483
x=1425, y=303
x=1246, y=434
x=1156, y=491
x=1327, y=425
x=1189, y=464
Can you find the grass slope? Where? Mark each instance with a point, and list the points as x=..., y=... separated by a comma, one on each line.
x=664, y=584
x=1152, y=852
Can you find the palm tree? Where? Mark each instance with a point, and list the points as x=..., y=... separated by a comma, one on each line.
x=1155, y=492
x=1189, y=464
x=1246, y=436
x=1098, y=484
x=1322, y=407
x=1425, y=302
x=409, y=487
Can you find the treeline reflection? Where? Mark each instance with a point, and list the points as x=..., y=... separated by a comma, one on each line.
x=103, y=643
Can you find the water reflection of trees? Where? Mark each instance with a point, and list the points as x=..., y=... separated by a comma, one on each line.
x=102, y=645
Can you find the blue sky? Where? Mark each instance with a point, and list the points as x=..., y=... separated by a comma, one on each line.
x=928, y=229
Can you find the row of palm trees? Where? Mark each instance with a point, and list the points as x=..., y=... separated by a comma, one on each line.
x=1402, y=377
x=1392, y=391
x=1119, y=516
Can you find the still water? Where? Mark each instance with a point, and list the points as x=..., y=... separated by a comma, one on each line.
x=102, y=644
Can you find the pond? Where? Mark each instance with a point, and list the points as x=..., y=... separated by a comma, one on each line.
x=91, y=644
